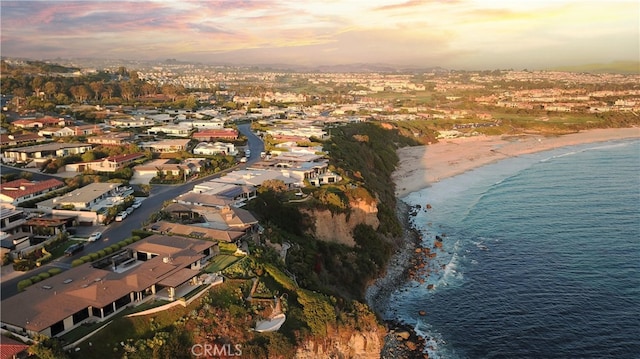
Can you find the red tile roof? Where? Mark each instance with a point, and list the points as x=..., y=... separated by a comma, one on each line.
x=22, y=187
x=9, y=348
x=230, y=133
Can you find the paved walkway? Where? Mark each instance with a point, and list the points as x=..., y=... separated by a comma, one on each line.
x=7, y=273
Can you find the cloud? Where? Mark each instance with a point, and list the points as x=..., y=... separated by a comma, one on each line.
x=412, y=4
x=459, y=32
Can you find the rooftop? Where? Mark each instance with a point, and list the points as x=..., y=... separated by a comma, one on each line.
x=22, y=187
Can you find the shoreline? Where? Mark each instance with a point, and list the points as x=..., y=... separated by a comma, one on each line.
x=420, y=167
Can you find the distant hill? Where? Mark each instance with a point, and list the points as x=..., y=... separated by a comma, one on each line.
x=35, y=67
x=618, y=67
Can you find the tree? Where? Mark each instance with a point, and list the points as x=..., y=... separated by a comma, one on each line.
x=275, y=185
x=47, y=348
x=88, y=156
x=98, y=89
x=50, y=89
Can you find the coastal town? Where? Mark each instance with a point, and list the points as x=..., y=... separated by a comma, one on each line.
x=188, y=189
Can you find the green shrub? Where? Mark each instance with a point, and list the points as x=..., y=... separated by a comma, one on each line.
x=136, y=238
x=85, y=259
x=44, y=275
x=123, y=244
x=115, y=247
x=94, y=256
x=23, y=284
x=23, y=265
x=35, y=279
x=77, y=262
x=101, y=253
x=108, y=250
x=54, y=271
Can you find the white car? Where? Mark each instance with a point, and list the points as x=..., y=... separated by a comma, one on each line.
x=121, y=216
x=95, y=236
x=136, y=204
x=129, y=210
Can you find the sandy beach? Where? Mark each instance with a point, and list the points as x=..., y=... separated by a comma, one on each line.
x=424, y=165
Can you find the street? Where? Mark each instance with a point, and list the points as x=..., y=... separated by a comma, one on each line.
x=117, y=231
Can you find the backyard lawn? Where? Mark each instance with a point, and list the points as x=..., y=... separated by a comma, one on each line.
x=220, y=262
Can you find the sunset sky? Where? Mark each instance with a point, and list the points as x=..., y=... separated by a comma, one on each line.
x=455, y=34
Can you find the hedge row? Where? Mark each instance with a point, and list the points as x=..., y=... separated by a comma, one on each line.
x=91, y=257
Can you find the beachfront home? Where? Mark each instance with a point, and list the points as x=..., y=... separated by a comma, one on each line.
x=158, y=266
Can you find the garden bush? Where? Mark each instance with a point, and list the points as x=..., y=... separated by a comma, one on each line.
x=54, y=271
x=23, y=284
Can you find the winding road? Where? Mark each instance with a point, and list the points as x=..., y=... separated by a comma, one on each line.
x=117, y=231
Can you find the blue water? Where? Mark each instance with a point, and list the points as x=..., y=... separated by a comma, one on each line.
x=540, y=258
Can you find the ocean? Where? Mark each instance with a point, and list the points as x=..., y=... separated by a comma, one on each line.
x=539, y=258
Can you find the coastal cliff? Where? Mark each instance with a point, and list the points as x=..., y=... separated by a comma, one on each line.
x=349, y=344
x=339, y=227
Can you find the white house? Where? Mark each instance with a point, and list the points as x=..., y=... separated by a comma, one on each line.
x=215, y=148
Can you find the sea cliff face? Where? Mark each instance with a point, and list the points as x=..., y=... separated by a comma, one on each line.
x=348, y=344
x=338, y=227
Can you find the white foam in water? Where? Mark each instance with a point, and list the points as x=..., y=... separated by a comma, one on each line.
x=435, y=345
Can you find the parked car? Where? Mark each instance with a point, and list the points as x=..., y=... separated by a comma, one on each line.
x=73, y=249
x=129, y=210
x=95, y=236
x=136, y=204
x=121, y=216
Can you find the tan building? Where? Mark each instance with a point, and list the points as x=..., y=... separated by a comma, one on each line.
x=95, y=291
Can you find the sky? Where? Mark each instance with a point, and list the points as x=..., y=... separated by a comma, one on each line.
x=454, y=34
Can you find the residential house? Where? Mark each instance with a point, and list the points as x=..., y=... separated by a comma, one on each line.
x=85, y=130
x=142, y=174
x=11, y=219
x=108, y=164
x=111, y=139
x=218, y=194
x=224, y=218
x=17, y=139
x=215, y=148
x=167, y=146
x=214, y=124
x=49, y=132
x=13, y=349
x=20, y=190
x=195, y=231
x=156, y=266
x=170, y=130
x=130, y=122
x=42, y=122
x=49, y=225
x=88, y=197
x=44, y=151
x=211, y=135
